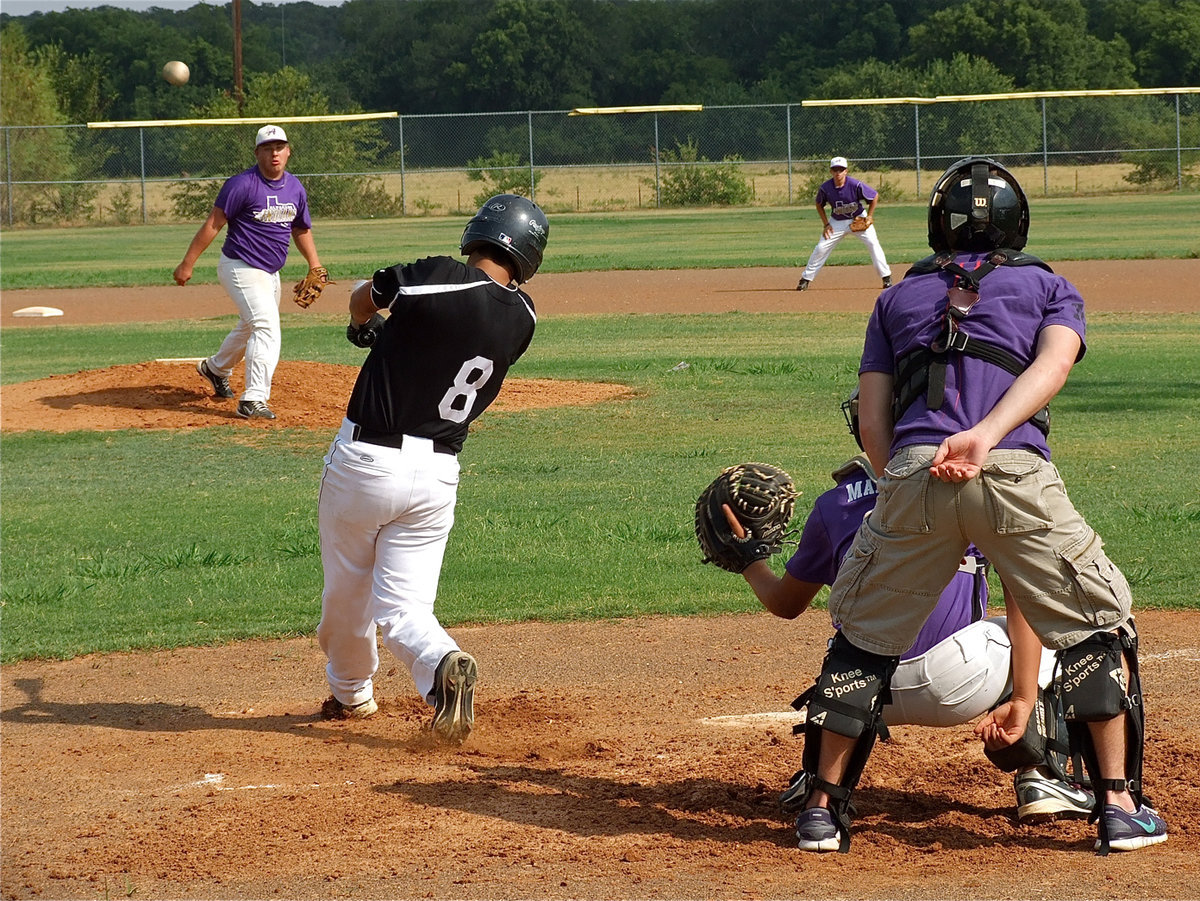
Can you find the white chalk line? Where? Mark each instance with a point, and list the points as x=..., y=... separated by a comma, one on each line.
x=216, y=782
x=744, y=720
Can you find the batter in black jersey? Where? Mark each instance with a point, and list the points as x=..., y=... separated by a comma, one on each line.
x=390, y=482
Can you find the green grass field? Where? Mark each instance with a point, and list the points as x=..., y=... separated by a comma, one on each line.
x=146, y=539
x=143, y=539
x=1094, y=228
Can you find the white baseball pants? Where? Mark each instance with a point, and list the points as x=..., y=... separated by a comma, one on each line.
x=961, y=677
x=257, y=337
x=841, y=228
x=384, y=516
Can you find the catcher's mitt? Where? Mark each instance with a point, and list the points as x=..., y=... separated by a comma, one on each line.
x=762, y=497
x=860, y=224
x=309, y=288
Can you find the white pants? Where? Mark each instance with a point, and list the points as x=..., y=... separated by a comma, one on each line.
x=256, y=338
x=959, y=678
x=384, y=515
x=841, y=228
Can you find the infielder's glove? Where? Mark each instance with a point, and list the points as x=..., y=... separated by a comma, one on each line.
x=366, y=334
x=860, y=224
x=762, y=497
x=309, y=288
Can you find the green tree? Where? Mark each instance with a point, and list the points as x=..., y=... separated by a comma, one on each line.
x=1040, y=44
x=41, y=151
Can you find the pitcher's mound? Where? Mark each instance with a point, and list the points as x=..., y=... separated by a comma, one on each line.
x=172, y=395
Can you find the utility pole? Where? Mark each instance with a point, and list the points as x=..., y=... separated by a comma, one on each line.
x=237, y=55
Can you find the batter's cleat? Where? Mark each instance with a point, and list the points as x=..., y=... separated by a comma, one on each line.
x=816, y=830
x=1040, y=798
x=803, y=284
x=254, y=409
x=219, y=383
x=454, y=696
x=887, y=281
x=1130, y=831
x=333, y=709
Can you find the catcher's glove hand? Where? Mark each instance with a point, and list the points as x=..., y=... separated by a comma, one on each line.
x=309, y=288
x=761, y=498
x=860, y=224
x=366, y=334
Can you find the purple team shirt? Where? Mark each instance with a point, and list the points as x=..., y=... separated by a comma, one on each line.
x=846, y=202
x=1015, y=303
x=261, y=216
x=827, y=536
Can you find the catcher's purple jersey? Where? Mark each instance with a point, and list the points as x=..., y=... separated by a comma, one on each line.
x=261, y=216
x=845, y=202
x=828, y=534
x=1015, y=303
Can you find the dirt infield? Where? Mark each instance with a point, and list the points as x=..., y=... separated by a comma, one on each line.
x=631, y=759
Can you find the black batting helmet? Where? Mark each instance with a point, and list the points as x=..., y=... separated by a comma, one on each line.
x=514, y=224
x=977, y=205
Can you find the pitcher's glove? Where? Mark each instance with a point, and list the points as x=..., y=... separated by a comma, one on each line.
x=366, y=334
x=860, y=224
x=309, y=288
x=762, y=498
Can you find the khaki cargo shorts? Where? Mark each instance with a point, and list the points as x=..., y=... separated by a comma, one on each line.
x=1016, y=512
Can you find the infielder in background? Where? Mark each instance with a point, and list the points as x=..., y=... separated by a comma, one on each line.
x=962, y=663
x=391, y=475
x=959, y=363
x=266, y=208
x=845, y=196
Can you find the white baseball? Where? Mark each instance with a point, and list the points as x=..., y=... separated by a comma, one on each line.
x=176, y=72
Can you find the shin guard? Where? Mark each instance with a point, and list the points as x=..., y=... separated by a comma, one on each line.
x=1094, y=688
x=848, y=700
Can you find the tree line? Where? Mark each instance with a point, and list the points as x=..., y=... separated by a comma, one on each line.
x=461, y=56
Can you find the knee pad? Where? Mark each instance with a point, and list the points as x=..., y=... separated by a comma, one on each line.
x=1093, y=688
x=848, y=699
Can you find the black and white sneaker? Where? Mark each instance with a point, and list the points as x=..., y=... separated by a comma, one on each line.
x=803, y=284
x=254, y=409
x=220, y=384
x=1130, y=831
x=887, y=281
x=816, y=830
x=1041, y=798
x=454, y=696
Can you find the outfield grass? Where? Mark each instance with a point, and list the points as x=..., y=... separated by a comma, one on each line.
x=1062, y=229
x=142, y=539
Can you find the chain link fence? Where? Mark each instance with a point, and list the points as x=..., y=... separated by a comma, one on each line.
x=767, y=155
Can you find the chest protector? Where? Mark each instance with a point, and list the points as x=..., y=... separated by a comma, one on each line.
x=923, y=371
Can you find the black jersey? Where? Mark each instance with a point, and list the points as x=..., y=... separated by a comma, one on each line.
x=444, y=351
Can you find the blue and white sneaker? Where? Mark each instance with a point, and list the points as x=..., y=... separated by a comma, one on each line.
x=817, y=831
x=1130, y=831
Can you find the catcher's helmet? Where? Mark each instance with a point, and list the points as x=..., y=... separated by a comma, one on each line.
x=850, y=411
x=977, y=205
x=515, y=225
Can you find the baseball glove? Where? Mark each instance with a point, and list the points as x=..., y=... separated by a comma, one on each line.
x=762, y=497
x=860, y=224
x=309, y=288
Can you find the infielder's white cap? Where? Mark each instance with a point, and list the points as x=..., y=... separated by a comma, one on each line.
x=838, y=162
x=270, y=133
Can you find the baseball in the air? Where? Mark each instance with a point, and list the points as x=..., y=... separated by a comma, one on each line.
x=176, y=72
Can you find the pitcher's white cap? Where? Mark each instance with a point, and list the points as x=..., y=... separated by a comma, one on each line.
x=270, y=133
x=838, y=162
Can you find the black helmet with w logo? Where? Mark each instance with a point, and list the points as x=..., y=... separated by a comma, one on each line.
x=977, y=205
